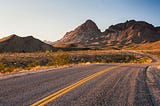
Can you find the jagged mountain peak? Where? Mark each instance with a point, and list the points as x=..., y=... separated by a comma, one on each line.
x=87, y=26
x=90, y=24
x=82, y=33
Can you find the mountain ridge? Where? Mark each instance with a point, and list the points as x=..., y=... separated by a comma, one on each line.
x=128, y=35
x=120, y=35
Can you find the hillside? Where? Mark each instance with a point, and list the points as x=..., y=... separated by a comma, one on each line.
x=149, y=46
x=14, y=43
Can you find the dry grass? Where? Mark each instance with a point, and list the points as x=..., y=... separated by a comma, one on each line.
x=9, y=62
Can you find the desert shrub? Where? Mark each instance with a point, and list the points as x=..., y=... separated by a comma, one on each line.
x=82, y=60
x=129, y=58
x=47, y=52
x=59, y=59
x=31, y=65
x=4, y=68
x=9, y=69
x=144, y=60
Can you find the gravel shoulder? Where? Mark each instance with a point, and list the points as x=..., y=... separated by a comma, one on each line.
x=153, y=81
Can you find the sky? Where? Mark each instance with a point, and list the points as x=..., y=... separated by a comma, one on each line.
x=51, y=19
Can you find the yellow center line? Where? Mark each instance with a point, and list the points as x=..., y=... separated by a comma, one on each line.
x=59, y=93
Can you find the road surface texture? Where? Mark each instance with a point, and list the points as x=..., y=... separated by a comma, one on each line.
x=124, y=85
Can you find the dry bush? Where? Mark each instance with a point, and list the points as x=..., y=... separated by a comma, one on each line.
x=4, y=68
x=59, y=59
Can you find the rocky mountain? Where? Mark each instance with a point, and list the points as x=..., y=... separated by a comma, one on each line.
x=14, y=43
x=117, y=36
x=131, y=32
x=82, y=35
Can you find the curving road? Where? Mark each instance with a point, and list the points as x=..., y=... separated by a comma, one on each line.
x=119, y=85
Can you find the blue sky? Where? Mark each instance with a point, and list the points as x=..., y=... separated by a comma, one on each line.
x=51, y=19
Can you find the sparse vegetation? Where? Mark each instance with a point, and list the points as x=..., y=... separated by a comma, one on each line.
x=4, y=68
x=59, y=59
x=144, y=60
x=9, y=62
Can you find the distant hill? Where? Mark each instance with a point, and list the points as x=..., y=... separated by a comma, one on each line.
x=128, y=34
x=14, y=43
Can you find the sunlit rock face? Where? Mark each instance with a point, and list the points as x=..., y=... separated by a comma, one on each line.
x=129, y=32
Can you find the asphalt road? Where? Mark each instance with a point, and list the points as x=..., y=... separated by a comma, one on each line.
x=128, y=85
